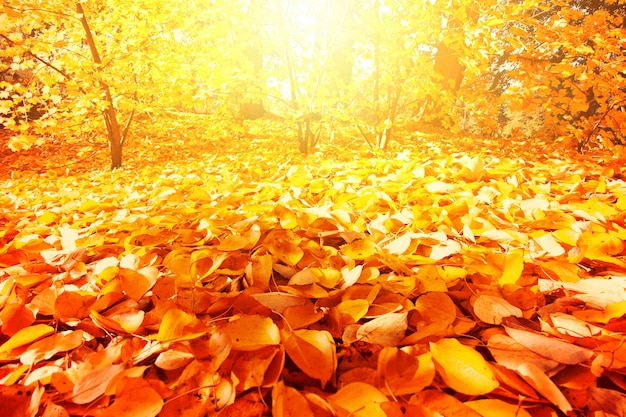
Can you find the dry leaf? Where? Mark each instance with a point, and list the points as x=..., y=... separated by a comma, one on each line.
x=401, y=373
x=551, y=348
x=358, y=399
x=251, y=332
x=491, y=309
x=313, y=351
x=386, y=330
x=462, y=368
x=288, y=402
x=544, y=385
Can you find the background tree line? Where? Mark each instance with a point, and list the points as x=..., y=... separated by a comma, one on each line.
x=120, y=68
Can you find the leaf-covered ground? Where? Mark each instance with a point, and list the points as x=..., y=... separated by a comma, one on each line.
x=444, y=276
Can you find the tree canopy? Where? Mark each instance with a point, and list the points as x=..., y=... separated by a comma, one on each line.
x=377, y=64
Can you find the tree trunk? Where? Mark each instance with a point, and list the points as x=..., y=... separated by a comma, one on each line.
x=110, y=116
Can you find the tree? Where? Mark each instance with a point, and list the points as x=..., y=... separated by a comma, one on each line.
x=565, y=61
x=373, y=64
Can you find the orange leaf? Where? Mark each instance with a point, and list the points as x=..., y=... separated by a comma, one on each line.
x=286, y=251
x=544, y=385
x=437, y=313
x=51, y=345
x=358, y=399
x=301, y=316
x=233, y=243
x=134, y=397
x=438, y=403
x=15, y=317
x=313, y=351
x=610, y=401
x=491, y=309
x=259, y=271
x=510, y=354
x=135, y=284
x=402, y=373
x=73, y=305
x=288, y=402
x=491, y=407
x=258, y=368
x=16, y=401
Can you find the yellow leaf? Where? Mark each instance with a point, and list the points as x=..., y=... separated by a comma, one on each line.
x=287, y=251
x=602, y=247
x=25, y=336
x=173, y=324
x=313, y=351
x=355, y=309
x=233, y=242
x=359, y=249
x=462, y=368
x=251, y=332
x=287, y=217
x=513, y=265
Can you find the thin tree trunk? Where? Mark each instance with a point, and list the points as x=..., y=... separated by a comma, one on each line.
x=110, y=117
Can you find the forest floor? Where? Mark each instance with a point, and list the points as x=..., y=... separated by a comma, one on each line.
x=452, y=275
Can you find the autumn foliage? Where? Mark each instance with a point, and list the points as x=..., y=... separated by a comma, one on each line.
x=431, y=278
x=426, y=216
x=107, y=71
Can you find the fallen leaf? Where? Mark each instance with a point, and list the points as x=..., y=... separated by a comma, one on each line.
x=135, y=397
x=92, y=384
x=462, y=368
x=491, y=309
x=313, y=351
x=401, y=373
x=551, y=348
x=386, y=330
x=497, y=408
x=251, y=332
x=544, y=385
x=25, y=336
x=358, y=399
x=288, y=402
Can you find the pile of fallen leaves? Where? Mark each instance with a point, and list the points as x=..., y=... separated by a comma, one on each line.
x=455, y=277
